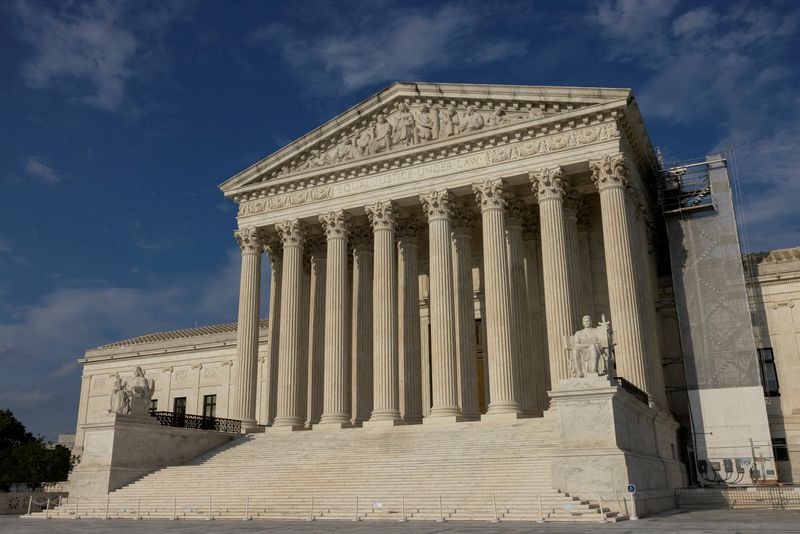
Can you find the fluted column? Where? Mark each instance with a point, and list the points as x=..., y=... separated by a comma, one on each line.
x=409, y=349
x=250, y=242
x=274, y=250
x=548, y=184
x=386, y=399
x=337, y=350
x=537, y=335
x=361, y=324
x=521, y=342
x=468, y=395
x=611, y=176
x=571, y=201
x=290, y=367
x=438, y=206
x=491, y=196
x=585, y=285
x=316, y=328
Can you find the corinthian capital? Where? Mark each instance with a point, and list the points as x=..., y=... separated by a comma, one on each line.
x=609, y=171
x=382, y=215
x=361, y=237
x=463, y=216
x=491, y=194
x=274, y=249
x=438, y=204
x=292, y=232
x=250, y=240
x=409, y=227
x=548, y=184
x=515, y=213
x=335, y=223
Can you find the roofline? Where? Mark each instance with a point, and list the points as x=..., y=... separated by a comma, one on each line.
x=543, y=92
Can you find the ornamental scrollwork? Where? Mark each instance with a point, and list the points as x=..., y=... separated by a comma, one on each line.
x=609, y=171
x=292, y=232
x=491, y=194
x=438, y=204
x=382, y=215
x=250, y=240
x=548, y=183
x=335, y=223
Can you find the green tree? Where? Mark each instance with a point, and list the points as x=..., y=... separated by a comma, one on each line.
x=25, y=458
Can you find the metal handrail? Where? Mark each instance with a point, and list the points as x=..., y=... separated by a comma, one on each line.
x=632, y=389
x=199, y=422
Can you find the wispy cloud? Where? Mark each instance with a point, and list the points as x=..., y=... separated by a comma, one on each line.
x=725, y=66
x=91, y=47
x=36, y=169
x=401, y=44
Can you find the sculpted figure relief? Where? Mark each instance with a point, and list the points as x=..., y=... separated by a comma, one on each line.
x=590, y=349
x=409, y=125
x=132, y=398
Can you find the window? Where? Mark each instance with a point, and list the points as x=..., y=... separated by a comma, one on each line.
x=209, y=405
x=153, y=405
x=769, y=375
x=779, y=450
x=179, y=405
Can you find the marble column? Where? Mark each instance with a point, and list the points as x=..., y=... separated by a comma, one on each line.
x=466, y=344
x=521, y=341
x=571, y=201
x=492, y=197
x=408, y=333
x=316, y=328
x=386, y=398
x=337, y=347
x=610, y=176
x=274, y=250
x=250, y=242
x=361, y=324
x=438, y=206
x=536, y=320
x=290, y=368
x=548, y=184
x=585, y=285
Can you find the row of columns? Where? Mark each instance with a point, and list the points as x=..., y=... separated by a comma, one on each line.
x=389, y=354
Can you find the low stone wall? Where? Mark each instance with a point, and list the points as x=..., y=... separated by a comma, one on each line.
x=16, y=503
x=124, y=448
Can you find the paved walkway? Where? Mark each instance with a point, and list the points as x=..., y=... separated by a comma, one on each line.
x=684, y=522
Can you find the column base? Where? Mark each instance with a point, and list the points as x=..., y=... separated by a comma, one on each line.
x=326, y=427
x=250, y=427
x=504, y=408
x=447, y=420
x=381, y=423
x=445, y=411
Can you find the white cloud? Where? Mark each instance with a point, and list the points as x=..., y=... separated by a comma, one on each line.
x=91, y=47
x=39, y=170
x=399, y=45
x=726, y=69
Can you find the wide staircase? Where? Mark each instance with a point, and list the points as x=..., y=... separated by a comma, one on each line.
x=482, y=471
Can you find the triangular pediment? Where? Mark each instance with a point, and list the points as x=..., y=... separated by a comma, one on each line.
x=409, y=115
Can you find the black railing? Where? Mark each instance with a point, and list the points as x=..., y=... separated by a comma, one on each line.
x=200, y=422
x=640, y=395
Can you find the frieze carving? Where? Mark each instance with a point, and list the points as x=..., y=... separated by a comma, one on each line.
x=515, y=150
x=406, y=125
x=609, y=171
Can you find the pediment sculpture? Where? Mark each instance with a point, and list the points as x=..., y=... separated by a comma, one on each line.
x=406, y=126
x=590, y=351
x=131, y=398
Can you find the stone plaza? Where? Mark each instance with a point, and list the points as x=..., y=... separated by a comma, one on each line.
x=471, y=303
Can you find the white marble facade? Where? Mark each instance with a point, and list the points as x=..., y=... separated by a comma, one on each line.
x=395, y=226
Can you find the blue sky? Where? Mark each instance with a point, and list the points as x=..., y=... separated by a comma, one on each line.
x=119, y=119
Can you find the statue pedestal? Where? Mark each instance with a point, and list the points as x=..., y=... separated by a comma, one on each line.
x=610, y=439
x=121, y=448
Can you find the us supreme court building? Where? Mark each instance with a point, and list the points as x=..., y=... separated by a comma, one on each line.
x=480, y=297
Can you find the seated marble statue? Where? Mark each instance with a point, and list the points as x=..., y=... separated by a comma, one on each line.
x=589, y=349
x=132, y=398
